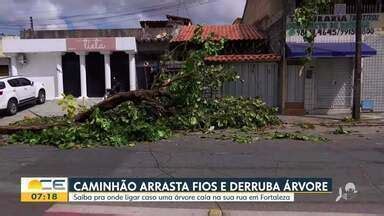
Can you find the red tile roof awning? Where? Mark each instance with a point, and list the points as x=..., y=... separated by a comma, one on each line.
x=229, y=32
x=244, y=58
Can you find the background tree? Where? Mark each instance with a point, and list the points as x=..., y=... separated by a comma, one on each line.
x=304, y=17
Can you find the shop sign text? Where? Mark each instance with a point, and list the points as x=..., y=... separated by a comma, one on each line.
x=91, y=44
x=337, y=25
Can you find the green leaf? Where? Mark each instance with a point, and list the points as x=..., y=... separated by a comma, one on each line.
x=193, y=121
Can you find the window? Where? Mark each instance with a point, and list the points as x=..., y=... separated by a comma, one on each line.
x=2, y=85
x=3, y=70
x=14, y=82
x=24, y=82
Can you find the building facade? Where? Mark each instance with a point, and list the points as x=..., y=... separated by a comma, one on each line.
x=246, y=51
x=5, y=61
x=88, y=62
x=82, y=67
x=326, y=84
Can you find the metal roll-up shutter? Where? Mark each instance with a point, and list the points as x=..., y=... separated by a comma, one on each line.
x=373, y=73
x=334, y=83
x=256, y=80
x=295, y=84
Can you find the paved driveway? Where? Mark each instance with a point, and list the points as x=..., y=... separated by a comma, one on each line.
x=50, y=108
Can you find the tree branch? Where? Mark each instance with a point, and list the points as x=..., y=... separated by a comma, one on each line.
x=110, y=103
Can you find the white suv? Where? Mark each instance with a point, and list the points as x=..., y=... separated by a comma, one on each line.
x=17, y=91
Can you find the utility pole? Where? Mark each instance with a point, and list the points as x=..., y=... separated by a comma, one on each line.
x=357, y=75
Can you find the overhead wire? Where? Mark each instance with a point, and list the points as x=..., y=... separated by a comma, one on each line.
x=117, y=19
x=108, y=17
x=108, y=14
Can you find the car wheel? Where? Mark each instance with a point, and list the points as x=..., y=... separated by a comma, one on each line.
x=12, y=107
x=41, y=97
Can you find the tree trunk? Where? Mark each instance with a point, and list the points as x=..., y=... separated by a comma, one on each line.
x=357, y=74
x=141, y=96
x=110, y=103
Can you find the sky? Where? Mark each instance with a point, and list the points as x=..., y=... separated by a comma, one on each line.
x=73, y=14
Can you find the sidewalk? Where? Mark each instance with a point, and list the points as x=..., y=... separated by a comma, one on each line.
x=318, y=119
x=50, y=108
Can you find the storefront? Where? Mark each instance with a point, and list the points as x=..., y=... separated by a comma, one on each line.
x=325, y=85
x=83, y=67
x=328, y=80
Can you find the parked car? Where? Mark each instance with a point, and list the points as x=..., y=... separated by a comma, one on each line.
x=18, y=91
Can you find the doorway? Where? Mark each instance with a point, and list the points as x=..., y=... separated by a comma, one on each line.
x=4, y=69
x=71, y=74
x=120, y=70
x=334, y=83
x=95, y=74
x=295, y=90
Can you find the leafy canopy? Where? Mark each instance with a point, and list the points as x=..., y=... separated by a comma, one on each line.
x=186, y=107
x=304, y=17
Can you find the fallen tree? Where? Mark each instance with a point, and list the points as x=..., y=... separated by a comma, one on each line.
x=139, y=96
x=176, y=102
x=32, y=128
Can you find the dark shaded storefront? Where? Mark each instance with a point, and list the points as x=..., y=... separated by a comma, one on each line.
x=120, y=70
x=71, y=74
x=95, y=74
x=88, y=71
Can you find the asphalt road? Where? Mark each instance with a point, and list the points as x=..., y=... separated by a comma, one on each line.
x=347, y=158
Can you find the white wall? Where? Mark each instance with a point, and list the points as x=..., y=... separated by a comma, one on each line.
x=11, y=45
x=260, y=80
x=126, y=44
x=265, y=11
x=41, y=67
x=33, y=45
x=42, y=58
x=4, y=61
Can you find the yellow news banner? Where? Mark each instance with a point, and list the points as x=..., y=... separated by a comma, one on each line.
x=44, y=197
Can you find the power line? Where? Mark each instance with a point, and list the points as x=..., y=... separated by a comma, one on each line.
x=118, y=18
x=122, y=10
x=104, y=18
x=186, y=9
x=10, y=28
x=91, y=24
x=178, y=7
x=38, y=12
x=90, y=16
x=84, y=20
x=86, y=24
x=94, y=17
